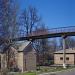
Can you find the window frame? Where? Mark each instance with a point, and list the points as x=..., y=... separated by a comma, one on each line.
x=67, y=58
x=61, y=58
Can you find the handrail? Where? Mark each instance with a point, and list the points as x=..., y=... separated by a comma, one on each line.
x=54, y=30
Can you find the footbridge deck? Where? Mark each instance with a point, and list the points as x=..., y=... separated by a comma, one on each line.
x=49, y=33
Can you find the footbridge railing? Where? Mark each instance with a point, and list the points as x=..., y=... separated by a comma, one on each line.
x=53, y=31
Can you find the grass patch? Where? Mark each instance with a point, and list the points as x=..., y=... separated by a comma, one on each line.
x=31, y=73
x=45, y=69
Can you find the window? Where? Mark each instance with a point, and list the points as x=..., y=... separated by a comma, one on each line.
x=67, y=58
x=61, y=58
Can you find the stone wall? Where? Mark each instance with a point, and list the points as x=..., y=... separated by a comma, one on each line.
x=20, y=61
x=30, y=61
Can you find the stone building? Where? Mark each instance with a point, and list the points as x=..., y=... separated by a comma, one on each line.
x=26, y=57
x=21, y=56
x=70, y=57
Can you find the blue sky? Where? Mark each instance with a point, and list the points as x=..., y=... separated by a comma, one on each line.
x=55, y=13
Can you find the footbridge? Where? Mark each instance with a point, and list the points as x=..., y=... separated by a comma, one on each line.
x=48, y=33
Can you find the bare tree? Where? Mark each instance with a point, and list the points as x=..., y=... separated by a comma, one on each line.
x=41, y=46
x=8, y=23
x=8, y=18
x=52, y=48
x=29, y=20
x=70, y=42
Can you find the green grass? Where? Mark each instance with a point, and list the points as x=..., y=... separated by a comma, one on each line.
x=44, y=69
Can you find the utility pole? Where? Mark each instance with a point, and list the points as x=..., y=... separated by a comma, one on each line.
x=64, y=52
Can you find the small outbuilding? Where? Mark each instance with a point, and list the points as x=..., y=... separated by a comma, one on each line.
x=69, y=57
x=26, y=57
x=22, y=57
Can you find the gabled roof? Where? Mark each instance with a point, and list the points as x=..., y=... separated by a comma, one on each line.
x=22, y=45
x=25, y=46
x=29, y=48
x=68, y=51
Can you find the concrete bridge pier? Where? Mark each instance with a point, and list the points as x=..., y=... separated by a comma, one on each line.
x=64, y=52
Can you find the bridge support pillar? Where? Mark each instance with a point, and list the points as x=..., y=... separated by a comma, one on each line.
x=64, y=52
